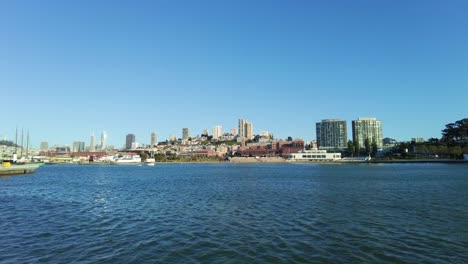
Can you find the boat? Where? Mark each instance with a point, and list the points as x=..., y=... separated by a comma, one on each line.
x=127, y=159
x=150, y=162
x=9, y=168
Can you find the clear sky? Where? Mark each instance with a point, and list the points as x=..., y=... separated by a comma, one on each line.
x=70, y=67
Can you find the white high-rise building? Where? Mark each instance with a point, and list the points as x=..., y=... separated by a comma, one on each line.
x=103, y=144
x=245, y=129
x=368, y=127
x=185, y=133
x=92, y=147
x=217, y=132
x=154, y=139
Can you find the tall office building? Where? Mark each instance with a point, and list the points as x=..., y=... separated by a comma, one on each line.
x=78, y=146
x=217, y=132
x=249, y=130
x=331, y=133
x=154, y=139
x=92, y=147
x=185, y=133
x=130, y=141
x=44, y=146
x=103, y=144
x=245, y=129
x=367, y=127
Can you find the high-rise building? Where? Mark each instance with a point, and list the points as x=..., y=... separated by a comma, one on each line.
x=172, y=138
x=154, y=139
x=44, y=146
x=185, y=133
x=92, y=147
x=78, y=146
x=242, y=128
x=130, y=141
x=103, y=143
x=217, y=132
x=245, y=129
x=331, y=133
x=367, y=127
x=234, y=131
x=249, y=130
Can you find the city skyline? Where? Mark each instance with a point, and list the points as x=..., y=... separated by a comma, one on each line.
x=162, y=66
x=148, y=139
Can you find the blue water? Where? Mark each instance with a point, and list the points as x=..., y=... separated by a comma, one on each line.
x=236, y=213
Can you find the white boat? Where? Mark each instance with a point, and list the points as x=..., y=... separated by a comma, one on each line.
x=150, y=162
x=127, y=159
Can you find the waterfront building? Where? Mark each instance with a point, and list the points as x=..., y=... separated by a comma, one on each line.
x=185, y=133
x=217, y=132
x=154, y=139
x=44, y=146
x=331, y=133
x=367, y=127
x=92, y=147
x=129, y=141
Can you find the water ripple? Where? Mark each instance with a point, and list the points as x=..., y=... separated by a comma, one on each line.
x=236, y=214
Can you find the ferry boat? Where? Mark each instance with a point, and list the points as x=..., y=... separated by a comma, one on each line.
x=10, y=168
x=314, y=155
x=127, y=159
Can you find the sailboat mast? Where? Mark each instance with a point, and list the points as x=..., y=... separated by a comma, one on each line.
x=22, y=140
x=27, y=145
x=16, y=140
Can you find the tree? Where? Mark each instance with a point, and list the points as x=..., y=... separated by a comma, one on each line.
x=374, y=148
x=456, y=131
x=143, y=156
x=290, y=138
x=367, y=145
x=357, y=148
x=351, y=147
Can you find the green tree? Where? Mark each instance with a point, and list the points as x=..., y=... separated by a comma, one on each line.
x=357, y=148
x=367, y=146
x=351, y=147
x=143, y=156
x=456, y=131
x=374, y=148
x=290, y=138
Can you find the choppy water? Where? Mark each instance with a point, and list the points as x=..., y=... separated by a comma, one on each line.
x=223, y=213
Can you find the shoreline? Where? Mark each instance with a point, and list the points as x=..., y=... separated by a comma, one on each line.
x=250, y=160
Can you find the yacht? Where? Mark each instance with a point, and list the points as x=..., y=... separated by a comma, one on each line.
x=150, y=162
x=127, y=159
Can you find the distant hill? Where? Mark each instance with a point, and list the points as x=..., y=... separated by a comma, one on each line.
x=7, y=143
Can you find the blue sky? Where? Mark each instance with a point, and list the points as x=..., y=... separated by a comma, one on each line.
x=68, y=68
